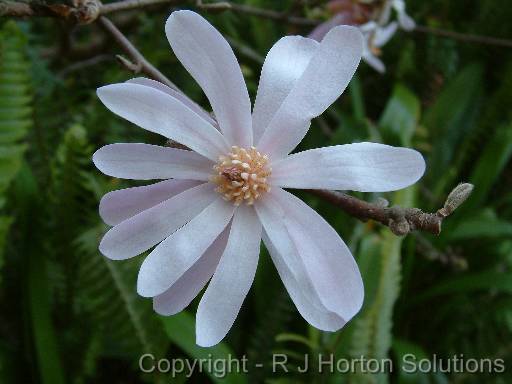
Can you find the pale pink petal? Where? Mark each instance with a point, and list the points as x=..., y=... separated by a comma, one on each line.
x=147, y=228
x=210, y=60
x=180, y=251
x=365, y=167
x=374, y=62
x=188, y=286
x=146, y=162
x=323, y=81
x=178, y=95
x=321, y=30
x=232, y=280
x=309, y=306
x=158, y=112
x=284, y=65
x=327, y=261
x=117, y=206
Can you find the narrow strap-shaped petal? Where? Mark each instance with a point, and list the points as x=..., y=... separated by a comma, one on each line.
x=384, y=34
x=233, y=277
x=178, y=95
x=365, y=167
x=309, y=306
x=284, y=65
x=187, y=287
x=146, y=162
x=322, y=82
x=117, y=206
x=159, y=112
x=210, y=60
x=147, y=228
x=180, y=251
x=327, y=260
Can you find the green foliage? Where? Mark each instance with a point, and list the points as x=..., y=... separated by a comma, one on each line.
x=400, y=117
x=106, y=295
x=451, y=118
x=372, y=336
x=180, y=330
x=15, y=114
x=70, y=315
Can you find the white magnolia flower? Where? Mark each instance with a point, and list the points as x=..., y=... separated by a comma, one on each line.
x=219, y=200
x=375, y=37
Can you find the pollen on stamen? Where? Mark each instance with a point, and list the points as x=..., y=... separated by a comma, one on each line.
x=241, y=175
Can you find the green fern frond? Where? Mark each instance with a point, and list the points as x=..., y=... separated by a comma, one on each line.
x=107, y=294
x=15, y=113
x=372, y=337
x=262, y=341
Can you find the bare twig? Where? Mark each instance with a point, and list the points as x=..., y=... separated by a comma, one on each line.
x=137, y=62
x=468, y=38
x=80, y=12
x=132, y=4
x=400, y=221
x=258, y=12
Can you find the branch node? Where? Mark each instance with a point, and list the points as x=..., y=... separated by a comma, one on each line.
x=131, y=66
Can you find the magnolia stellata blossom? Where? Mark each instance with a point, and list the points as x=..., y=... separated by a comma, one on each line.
x=216, y=202
x=376, y=32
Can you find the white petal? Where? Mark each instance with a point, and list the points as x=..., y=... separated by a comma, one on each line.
x=178, y=95
x=226, y=292
x=146, y=162
x=146, y=229
x=309, y=306
x=365, y=167
x=327, y=260
x=384, y=34
x=406, y=22
x=374, y=62
x=117, y=206
x=210, y=60
x=180, y=251
x=284, y=65
x=187, y=287
x=323, y=81
x=158, y=112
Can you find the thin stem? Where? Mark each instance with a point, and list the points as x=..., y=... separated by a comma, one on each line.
x=139, y=62
x=464, y=37
x=400, y=220
x=132, y=4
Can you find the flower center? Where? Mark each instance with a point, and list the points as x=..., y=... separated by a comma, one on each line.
x=242, y=175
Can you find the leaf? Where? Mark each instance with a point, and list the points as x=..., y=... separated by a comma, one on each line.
x=5, y=224
x=478, y=225
x=107, y=293
x=490, y=165
x=372, y=335
x=451, y=118
x=15, y=101
x=37, y=290
x=400, y=117
x=408, y=355
x=490, y=280
x=181, y=331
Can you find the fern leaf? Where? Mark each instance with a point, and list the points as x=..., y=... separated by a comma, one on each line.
x=15, y=112
x=372, y=337
x=107, y=295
